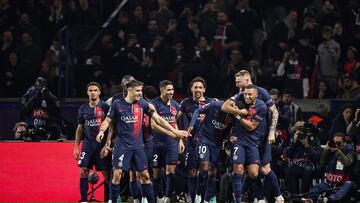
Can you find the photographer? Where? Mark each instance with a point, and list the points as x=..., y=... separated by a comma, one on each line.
x=354, y=133
x=303, y=153
x=337, y=160
x=44, y=109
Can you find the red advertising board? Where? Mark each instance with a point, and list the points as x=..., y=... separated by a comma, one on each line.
x=40, y=172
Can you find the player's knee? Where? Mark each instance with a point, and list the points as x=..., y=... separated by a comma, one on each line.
x=265, y=169
x=170, y=169
x=84, y=172
x=132, y=175
x=192, y=172
x=156, y=173
x=238, y=168
x=116, y=176
x=145, y=177
x=204, y=167
x=253, y=172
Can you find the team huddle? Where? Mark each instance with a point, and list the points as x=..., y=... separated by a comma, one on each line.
x=144, y=133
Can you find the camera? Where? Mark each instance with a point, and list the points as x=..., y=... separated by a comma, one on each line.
x=332, y=144
x=32, y=133
x=310, y=132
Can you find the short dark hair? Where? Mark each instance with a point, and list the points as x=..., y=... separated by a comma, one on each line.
x=340, y=134
x=274, y=92
x=251, y=86
x=288, y=91
x=198, y=79
x=134, y=83
x=93, y=84
x=327, y=29
x=150, y=92
x=164, y=83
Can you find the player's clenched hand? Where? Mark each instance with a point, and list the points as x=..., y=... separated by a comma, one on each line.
x=189, y=130
x=233, y=139
x=182, y=134
x=100, y=136
x=271, y=137
x=243, y=112
x=104, y=152
x=76, y=153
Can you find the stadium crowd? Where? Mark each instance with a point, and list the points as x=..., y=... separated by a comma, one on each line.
x=294, y=49
x=310, y=46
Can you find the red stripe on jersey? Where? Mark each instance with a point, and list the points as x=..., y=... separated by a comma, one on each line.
x=137, y=112
x=99, y=116
x=173, y=112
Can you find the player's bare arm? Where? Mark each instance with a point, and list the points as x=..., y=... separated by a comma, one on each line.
x=229, y=107
x=274, y=120
x=107, y=147
x=158, y=128
x=249, y=125
x=104, y=126
x=78, y=135
x=163, y=123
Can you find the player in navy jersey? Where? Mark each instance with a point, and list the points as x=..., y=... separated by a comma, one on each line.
x=243, y=78
x=210, y=137
x=165, y=151
x=90, y=116
x=187, y=108
x=129, y=113
x=246, y=135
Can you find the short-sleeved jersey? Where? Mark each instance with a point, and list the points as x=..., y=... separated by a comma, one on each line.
x=188, y=106
x=263, y=95
x=129, y=122
x=257, y=113
x=91, y=118
x=215, y=122
x=169, y=113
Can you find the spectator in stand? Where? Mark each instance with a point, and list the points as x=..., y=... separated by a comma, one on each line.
x=226, y=38
x=137, y=21
x=55, y=21
x=163, y=15
x=352, y=22
x=292, y=72
x=323, y=91
x=25, y=26
x=7, y=43
x=328, y=14
x=296, y=113
x=342, y=120
x=207, y=16
x=148, y=36
x=86, y=15
x=226, y=74
x=29, y=55
x=151, y=71
x=7, y=15
x=329, y=53
x=11, y=79
x=351, y=64
x=283, y=34
x=350, y=87
x=318, y=119
x=246, y=21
